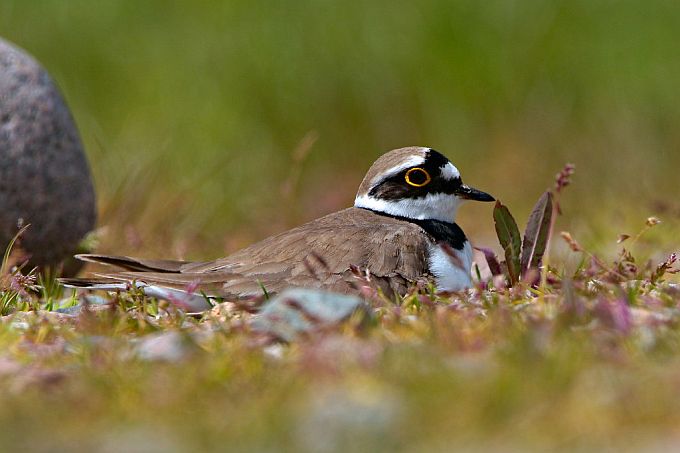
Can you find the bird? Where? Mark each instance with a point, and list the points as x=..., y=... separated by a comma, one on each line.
x=401, y=230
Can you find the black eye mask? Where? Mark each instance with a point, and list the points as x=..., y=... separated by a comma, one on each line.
x=397, y=188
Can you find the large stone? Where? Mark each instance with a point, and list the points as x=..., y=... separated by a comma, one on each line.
x=44, y=177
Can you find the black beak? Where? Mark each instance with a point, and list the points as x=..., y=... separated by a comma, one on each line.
x=468, y=193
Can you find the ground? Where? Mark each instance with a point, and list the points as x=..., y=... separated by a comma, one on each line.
x=586, y=360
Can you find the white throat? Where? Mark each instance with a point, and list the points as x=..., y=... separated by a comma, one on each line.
x=451, y=273
x=439, y=206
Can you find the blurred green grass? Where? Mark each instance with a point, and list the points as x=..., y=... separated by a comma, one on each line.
x=190, y=111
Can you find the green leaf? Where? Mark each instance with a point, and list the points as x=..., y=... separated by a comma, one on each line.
x=537, y=233
x=509, y=238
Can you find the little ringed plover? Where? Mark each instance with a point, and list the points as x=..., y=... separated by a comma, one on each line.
x=401, y=229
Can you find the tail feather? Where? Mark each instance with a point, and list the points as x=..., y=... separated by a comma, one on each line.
x=134, y=264
x=193, y=302
x=102, y=283
x=184, y=279
x=163, y=279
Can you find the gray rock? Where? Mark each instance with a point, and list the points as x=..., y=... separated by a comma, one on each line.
x=297, y=311
x=44, y=176
x=91, y=302
x=163, y=347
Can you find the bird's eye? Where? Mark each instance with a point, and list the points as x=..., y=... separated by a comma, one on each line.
x=417, y=177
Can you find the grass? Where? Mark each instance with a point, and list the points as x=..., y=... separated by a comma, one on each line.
x=209, y=126
x=585, y=361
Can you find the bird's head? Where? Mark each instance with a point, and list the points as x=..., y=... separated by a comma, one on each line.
x=417, y=183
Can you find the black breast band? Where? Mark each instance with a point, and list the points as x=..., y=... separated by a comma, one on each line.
x=447, y=232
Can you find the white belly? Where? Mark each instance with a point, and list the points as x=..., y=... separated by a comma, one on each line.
x=451, y=274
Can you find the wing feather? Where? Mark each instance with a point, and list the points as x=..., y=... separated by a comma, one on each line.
x=317, y=254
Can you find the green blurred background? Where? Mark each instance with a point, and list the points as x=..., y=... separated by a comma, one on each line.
x=192, y=111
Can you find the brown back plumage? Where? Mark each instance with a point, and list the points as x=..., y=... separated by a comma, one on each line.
x=317, y=254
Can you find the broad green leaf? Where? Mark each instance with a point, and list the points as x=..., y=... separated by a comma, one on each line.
x=509, y=238
x=537, y=232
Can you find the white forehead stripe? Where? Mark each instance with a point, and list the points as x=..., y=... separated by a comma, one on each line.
x=450, y=172
x=412, y=161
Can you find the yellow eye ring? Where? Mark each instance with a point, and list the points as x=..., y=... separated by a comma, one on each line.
x=420, y=172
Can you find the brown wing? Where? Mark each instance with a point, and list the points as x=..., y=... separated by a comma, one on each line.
x=317, y=254
x=320, y=253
